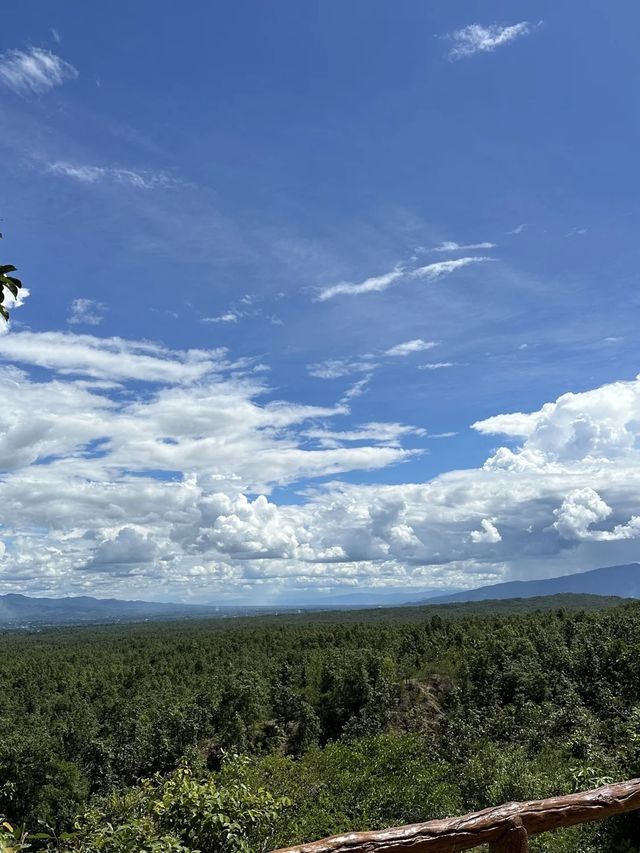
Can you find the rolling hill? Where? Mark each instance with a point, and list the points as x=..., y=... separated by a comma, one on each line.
x=16, y=609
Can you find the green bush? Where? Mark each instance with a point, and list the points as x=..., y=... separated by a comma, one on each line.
x=181, y=813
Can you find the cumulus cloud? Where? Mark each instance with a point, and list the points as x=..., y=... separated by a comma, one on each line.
x=34, y=70
x=479, y=38
x=488, y=533
x=594, y=425
x=409, y=347
x=171, y=488
x=584, y=507
x=376, y=284
x=88, y=174
x=86, y=312
x=127, y=549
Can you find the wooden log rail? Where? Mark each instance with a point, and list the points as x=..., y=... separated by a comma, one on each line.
x=505, y=828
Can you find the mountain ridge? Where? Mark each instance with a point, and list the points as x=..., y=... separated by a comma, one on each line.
x=622, y=581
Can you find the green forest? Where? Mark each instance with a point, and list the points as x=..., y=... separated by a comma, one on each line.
x=251, y=734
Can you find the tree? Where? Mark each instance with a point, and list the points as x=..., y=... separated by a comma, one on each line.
x=10, y=283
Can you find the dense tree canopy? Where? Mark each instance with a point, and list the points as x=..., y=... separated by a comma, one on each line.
x=357, y=724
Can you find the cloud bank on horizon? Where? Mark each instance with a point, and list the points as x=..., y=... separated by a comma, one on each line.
x=296, y=332
x=112, y=489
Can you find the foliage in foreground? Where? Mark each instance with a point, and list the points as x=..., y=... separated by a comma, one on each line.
x=8, y=284
x=180, y=813
x=357, y=725
x=251, y=806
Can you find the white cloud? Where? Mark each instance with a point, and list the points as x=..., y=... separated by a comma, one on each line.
x=163, y=490
x=389, y=434
x=370, y=285
x=356, y=390
x=592, y=425
x=110, y=358
x=437, y=365
x=34, y=70
x=12, y=302
x=335, y=368
x=488, y=533
x=584, y=507
x=450, y=246
x=409, y=347
x=229, y=317
x=86, y=311
x=127, y=548
x=518, y=229
x=479, y=38
x=86, y=174
x=432, y=272
x=376, y=284
x=580, y=509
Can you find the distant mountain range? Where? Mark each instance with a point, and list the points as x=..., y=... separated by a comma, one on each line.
x=21, y=610
x=18, y=609
x=623, y=581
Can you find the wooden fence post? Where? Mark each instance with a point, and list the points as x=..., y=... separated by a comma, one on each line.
x=515, y=839
x=505, y=828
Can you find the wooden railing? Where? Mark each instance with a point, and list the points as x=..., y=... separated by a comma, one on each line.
x=506, y=828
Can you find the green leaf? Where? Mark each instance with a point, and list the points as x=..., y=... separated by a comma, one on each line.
x=7, y=268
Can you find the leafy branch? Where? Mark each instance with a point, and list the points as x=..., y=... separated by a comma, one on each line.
x=8, y=283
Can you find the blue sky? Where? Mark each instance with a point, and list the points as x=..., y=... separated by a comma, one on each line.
x=345, y=232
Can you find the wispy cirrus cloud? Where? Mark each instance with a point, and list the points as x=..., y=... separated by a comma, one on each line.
x=88, y=174
x=34, y=70
x=336, y=368
x=437, y=365
x=376, y=284
x=388, y=434
x=86, y=312
x=408, y=347
x=356, y=390
x=452, y=246
x=373, y=284
x=114, y=359
x=480, y=38
x=228, y=317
